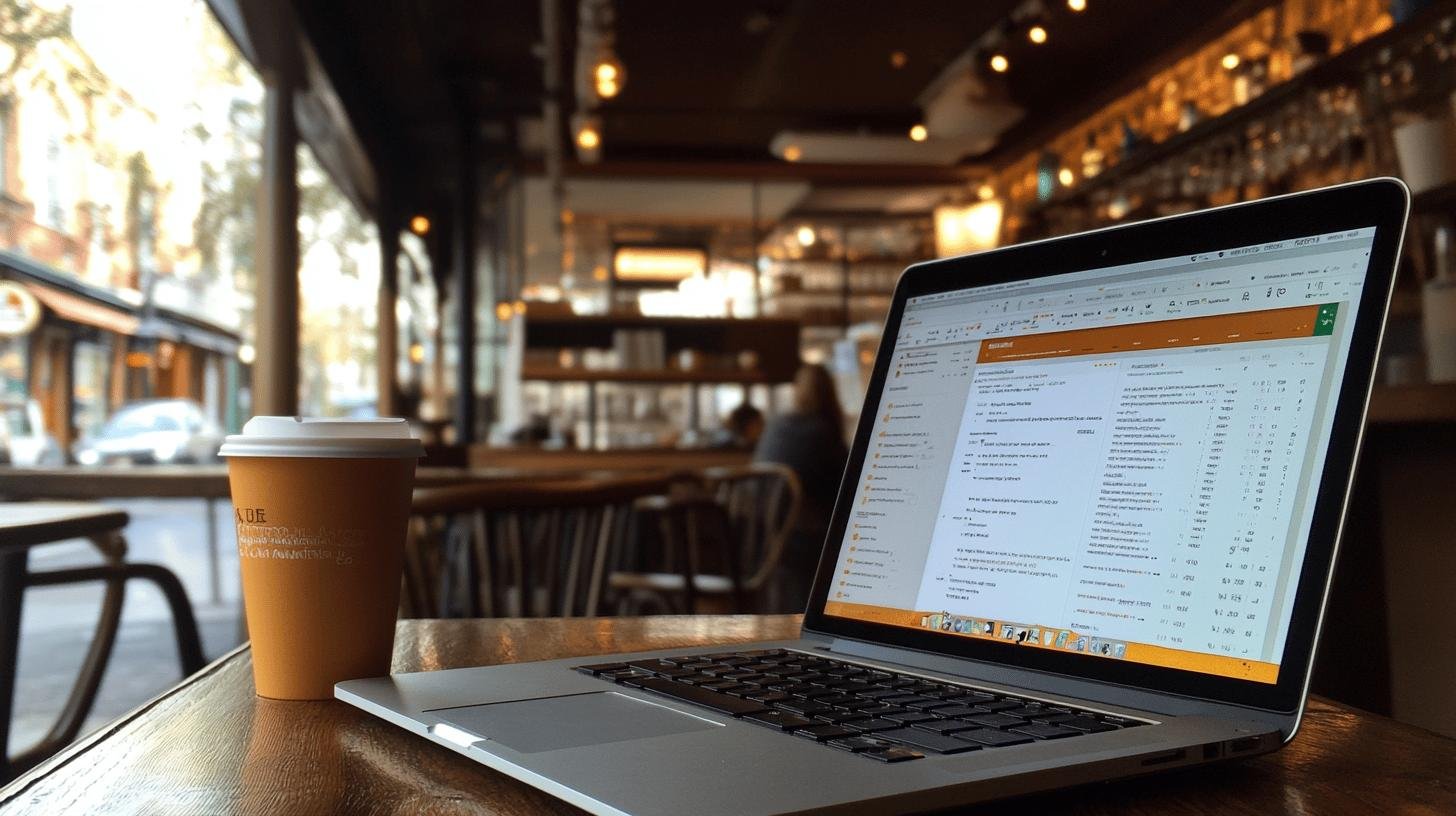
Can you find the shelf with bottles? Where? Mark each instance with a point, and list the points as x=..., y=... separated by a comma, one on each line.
x=1323, y=121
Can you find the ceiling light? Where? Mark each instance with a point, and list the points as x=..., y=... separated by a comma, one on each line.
x=999, y=63
x=588, y=138
x=1077, y=5
x=1037, y=33
x=805, y=235
x=608, y=75
x=793, y=153
x=918, y=133
x=985, y=192
x=898, y=59
x=1230, y=61
x=519, y=307
x=503, y=311
x=1066, y=177
x=416, y=353
x=419, y=225
x=656, y=264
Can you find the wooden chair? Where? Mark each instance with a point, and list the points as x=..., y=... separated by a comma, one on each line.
x=30, y=524
x=528, y=549
x=732, y=538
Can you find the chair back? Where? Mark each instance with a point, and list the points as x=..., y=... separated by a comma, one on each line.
x=761, y=502
x=521, y=549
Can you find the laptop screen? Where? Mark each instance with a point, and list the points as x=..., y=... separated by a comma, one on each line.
x=1120, y=462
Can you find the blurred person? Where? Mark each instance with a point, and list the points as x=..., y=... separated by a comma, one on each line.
x=742, y=428
x=810, y=441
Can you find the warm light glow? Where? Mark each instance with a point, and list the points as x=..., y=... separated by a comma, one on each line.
x=1077, y=5
x=918, y=133
x=967, y=228
x=1066, y=177
x=985, y=192
x=609, y=88
x=805, y=236
x=420, y=225
x=247, y=354
x=503, y=311
x=659, y=263
x=138, y=359
x=793, y=153
x=567, y=216
x=588, y=138
x=606, y=72
x=1230, y=61
x=599, y=272
x=999, y=63
x=898, y=59
x=416, y=353
x=1037, y=34
x=519, y=307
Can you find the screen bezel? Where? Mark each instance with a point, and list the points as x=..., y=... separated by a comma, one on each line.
x=1382, y=203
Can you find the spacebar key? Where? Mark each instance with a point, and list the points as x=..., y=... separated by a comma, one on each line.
x=703, y=697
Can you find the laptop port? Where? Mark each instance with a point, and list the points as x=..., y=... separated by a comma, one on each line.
x=1164, y=759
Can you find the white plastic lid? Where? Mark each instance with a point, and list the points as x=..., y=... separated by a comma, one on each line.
x=322, y=437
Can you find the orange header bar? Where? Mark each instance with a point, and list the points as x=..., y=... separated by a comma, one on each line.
x=1273, y=324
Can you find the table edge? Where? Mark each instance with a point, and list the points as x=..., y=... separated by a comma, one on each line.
x=25, y=781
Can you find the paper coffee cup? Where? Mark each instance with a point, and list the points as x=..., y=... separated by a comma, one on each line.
x=321, y=507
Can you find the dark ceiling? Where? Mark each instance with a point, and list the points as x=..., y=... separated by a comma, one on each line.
x=711, y=81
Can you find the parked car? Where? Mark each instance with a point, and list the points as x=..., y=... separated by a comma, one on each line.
x=164, y=431
x=23, y=440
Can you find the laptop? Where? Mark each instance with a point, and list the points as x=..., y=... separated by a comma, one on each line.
x=1085, y=532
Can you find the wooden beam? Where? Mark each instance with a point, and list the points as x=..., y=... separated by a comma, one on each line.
x=859, y=175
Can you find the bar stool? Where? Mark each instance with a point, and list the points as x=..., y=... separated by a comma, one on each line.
x=24, y=525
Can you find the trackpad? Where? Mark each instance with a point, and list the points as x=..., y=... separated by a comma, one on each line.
x=552, y=723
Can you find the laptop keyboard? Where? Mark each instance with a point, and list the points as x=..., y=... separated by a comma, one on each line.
x=878, y=714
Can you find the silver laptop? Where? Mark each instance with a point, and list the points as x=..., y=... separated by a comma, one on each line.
x=1085, y=532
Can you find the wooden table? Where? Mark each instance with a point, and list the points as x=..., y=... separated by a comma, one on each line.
x=209, y=746
x=206, y=482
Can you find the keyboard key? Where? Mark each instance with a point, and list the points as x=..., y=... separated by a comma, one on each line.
x=882, y=710
x=893, y=753
x=996, y=720
x=870, y=725
x=769, y=696
x=718, y=685
x=707, y=698
x=803, y=708
x=993, y=738
x=1121, y=722
x=911, y=700
x=878, y=693
x=1053, y=717
x=858, y=744
x=782, y=720
x=1000, y=705
x=837, y=700
x=930, y=742
x=1085, y=724
x=839, y=715
x=910, y=717
x=1045, y=731
x=1026, y=712
x=959, y=711
x=854, y=687
x=602, y=668
x=945, y=726
x=823, y=732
